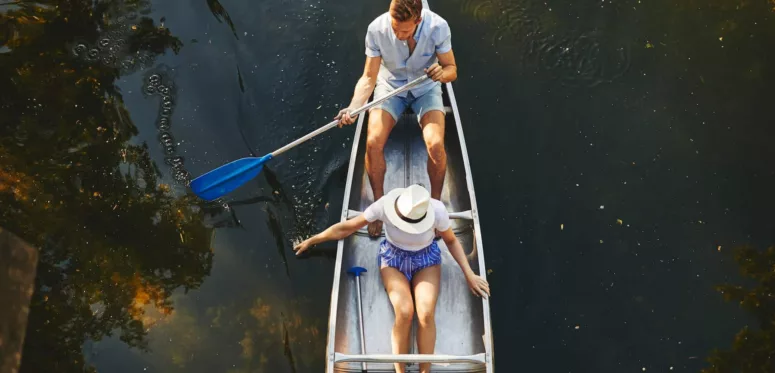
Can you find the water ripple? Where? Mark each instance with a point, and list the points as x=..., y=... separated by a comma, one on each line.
x=529, y=32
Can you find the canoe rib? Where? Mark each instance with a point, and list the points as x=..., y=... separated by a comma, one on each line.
x=409, y=358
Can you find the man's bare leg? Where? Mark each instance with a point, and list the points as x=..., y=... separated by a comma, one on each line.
x=426, y=292
x=432, y=124
x=401, y=298
x=380, y=125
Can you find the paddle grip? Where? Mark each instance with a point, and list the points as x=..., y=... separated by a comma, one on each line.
x=356, y=271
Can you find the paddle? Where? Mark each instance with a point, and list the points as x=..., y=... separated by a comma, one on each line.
x=230, y=176
x=356, y=271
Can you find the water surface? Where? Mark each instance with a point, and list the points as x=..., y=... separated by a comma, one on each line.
x=621, y=150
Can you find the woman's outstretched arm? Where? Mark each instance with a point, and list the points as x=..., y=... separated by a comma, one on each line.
x=333, y=233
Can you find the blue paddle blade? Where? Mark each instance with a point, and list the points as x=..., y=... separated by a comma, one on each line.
x=228, y=177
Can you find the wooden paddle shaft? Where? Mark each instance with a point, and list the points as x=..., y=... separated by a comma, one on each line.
x=354, y=113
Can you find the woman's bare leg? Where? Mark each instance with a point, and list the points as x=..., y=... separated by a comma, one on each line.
x=426, y=292
x=400, y=295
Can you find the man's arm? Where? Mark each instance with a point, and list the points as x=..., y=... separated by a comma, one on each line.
x=446, y=70
x=366, y=83
x=363, y=89
x=447, y=62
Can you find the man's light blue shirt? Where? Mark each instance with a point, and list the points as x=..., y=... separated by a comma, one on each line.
x=433, y=37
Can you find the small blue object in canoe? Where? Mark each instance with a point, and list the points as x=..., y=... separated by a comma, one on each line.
x=356, y=271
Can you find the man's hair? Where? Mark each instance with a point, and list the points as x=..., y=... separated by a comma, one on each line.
x=406, y=10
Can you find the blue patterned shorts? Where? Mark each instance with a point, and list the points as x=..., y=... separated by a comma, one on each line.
x=408, y=262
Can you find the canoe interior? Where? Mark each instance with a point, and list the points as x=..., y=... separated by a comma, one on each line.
x=459, y=315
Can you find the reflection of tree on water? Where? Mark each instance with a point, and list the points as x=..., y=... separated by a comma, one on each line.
x=114, y=242
x=753, y=349
x=273, y=335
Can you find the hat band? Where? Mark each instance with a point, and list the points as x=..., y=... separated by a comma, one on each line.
x=404, y=218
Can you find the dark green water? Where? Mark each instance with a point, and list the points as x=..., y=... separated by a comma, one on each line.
x=622, y=151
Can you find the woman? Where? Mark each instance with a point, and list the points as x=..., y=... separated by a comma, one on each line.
x=409, y=258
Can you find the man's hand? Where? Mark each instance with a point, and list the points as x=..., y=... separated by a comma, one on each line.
x=435, y=72
x=345, y=118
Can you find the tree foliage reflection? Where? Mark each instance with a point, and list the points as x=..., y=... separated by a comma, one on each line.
x=753, y=349
x=114, y=242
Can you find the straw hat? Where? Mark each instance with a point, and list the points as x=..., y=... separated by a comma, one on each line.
x=409, y=209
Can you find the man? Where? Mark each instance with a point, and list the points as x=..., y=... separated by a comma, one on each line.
x=401, y=45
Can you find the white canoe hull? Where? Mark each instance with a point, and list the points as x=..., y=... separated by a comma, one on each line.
x=462, y=320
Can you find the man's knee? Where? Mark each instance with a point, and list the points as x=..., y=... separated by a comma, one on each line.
x=380, y=124
x=375, y=142
x=435, y=145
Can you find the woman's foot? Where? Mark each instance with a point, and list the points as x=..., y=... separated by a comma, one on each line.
x=375, y=228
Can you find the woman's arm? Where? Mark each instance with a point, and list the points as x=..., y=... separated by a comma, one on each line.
x=333, y=233
x=477, y=284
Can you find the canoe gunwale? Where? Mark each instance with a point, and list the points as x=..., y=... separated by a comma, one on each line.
x=331, y=336
x=478, y=246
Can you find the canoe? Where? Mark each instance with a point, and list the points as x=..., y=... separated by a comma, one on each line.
x=463, y=330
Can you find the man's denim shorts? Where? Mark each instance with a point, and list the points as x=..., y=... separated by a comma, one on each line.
x=396, y=105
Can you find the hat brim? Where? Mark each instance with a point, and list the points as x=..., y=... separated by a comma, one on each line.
x=422, y=226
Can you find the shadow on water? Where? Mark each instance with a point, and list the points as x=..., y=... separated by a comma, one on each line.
x=277, y=232
x=287, y=350
x=221, y=14
x=115, y=242
x=753, y=349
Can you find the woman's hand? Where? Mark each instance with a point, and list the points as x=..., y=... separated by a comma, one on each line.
x=478, y=285
x=303, y=246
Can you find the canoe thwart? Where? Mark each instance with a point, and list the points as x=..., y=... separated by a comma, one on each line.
x=467, y=215
x=409, y=358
